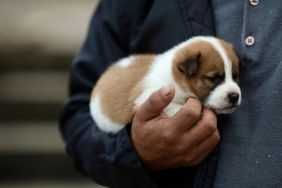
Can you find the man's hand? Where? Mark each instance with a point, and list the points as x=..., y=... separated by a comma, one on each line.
x=184, y=139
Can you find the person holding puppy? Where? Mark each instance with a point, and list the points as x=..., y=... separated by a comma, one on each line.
x=181, y=151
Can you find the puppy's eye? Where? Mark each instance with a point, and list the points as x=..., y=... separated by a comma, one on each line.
x=216, y=79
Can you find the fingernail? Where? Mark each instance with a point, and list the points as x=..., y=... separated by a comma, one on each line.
x=166, y=90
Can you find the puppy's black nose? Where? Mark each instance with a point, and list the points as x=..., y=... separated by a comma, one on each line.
x=233, y=98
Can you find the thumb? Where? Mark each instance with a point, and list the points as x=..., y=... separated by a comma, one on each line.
x=155, y=104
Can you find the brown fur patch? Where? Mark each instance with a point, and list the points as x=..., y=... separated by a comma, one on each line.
x=210, y=63
x=120, y=86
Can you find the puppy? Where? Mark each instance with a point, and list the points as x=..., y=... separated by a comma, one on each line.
x=203, y=67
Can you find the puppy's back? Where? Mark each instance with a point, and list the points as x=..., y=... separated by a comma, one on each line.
x=117, y=89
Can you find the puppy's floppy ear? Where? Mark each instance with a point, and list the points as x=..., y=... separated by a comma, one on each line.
x=190, y=66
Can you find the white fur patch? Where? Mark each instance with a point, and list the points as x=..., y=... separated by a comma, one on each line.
x=104, y=123
x=160, y=74
x=125, y=62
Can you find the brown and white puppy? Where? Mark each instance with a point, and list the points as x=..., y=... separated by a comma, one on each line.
x=202, y=67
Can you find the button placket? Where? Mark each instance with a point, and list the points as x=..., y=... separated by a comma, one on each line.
x=250, y=39
x=254, y=2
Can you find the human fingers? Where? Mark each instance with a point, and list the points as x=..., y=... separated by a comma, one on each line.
x=187, y=116
x=191, y=156
x=205, y=127
x=155, y=104
x=205, y=148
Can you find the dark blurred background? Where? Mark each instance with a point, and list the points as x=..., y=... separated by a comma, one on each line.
x=38, y=40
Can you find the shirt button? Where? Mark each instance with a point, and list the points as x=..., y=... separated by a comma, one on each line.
x=254, y=2
x=250, y=41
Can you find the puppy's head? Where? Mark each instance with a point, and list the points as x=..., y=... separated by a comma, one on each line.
x=209, y=68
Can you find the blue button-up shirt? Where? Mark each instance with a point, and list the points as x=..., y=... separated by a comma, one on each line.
x=251, y=138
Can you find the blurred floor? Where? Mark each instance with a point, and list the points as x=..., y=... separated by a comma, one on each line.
x=38, y=40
